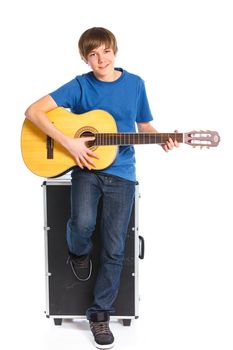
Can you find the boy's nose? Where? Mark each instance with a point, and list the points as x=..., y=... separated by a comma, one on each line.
x=100, y=58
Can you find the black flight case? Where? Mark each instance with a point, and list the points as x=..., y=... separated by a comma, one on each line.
x=66, y=297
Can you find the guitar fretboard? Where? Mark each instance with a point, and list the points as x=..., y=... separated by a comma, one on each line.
x=136, y=138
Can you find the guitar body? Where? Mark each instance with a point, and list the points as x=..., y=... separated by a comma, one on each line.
x=47, y=158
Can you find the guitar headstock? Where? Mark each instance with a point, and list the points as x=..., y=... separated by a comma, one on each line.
x=202, y=138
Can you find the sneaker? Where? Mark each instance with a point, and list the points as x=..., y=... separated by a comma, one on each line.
x=99, y=324
x=81, y=266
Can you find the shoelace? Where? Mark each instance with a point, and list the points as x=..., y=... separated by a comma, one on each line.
x=82, y=263
x=100, y=327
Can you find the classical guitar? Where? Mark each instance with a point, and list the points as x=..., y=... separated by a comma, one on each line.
x=45, y=157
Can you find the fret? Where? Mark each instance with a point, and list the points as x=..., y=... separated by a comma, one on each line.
x=158, y=138
x=164, y=138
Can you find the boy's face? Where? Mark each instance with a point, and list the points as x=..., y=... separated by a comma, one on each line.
x=102, y=60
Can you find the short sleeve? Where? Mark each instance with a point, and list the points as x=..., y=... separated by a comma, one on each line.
x=68, y=95
x=143, y=109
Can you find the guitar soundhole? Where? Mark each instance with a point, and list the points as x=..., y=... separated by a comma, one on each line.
x=89, y=144
x=87, y=131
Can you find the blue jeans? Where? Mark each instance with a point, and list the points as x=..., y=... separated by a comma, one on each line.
x=117, y=196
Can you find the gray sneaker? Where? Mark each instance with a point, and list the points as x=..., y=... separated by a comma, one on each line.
x=99, y=324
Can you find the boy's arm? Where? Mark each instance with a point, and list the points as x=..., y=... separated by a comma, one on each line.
x=148, y=127
x=36, y=113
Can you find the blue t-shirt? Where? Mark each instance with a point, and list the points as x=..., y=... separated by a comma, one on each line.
x=125, y=99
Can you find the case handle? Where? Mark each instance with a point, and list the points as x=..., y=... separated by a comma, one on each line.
x=141, y=247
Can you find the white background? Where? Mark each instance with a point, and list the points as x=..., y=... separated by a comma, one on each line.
x=183, y=51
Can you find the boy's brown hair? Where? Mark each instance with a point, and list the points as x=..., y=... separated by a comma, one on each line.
x=95, y=37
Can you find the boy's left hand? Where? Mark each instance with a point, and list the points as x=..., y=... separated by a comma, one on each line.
x=170, y=144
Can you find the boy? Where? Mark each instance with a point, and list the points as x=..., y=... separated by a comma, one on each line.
x=123, y=95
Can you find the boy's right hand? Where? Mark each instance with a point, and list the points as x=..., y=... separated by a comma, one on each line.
x=81, y=153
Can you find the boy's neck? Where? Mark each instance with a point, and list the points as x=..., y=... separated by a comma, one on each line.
x=114, y=75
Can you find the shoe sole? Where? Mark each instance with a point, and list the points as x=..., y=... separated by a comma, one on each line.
x=107, y=346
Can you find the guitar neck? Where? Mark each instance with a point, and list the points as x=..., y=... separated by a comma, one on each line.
x=123, y=139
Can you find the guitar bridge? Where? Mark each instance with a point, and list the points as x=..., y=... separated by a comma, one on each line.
x=50, y=147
